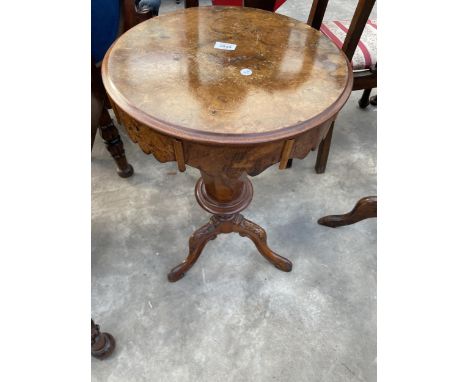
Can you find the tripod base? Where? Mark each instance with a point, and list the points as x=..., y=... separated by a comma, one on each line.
x=227, y=224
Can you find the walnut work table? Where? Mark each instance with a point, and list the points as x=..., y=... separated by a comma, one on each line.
x=230, y=91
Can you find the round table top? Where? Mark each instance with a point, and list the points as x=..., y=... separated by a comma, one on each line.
x=227, y=74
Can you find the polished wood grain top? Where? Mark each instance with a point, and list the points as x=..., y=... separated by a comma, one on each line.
x=283, y=77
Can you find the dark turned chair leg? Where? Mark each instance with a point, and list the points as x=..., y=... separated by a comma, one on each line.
x=364, y=209
x=364, y=101
x=323, y=150
x=114, y=144
x=102, y=344
x=106, y=126
x=373, y=100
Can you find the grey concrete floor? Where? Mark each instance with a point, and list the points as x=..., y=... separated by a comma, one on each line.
x=234, y=317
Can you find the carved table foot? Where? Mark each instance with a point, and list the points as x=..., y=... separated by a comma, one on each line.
x=197, y=242
x=258, y=235
x=364, y=209
x=102, y=344
x=226, y=224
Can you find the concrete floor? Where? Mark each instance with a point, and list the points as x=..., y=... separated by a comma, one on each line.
x=234, y=317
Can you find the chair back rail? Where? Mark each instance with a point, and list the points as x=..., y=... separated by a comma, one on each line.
x=358, y=23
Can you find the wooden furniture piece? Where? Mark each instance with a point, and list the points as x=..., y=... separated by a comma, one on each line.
x=102, y=344
x=365, y=208
x=355, y=38
x=359, y=33
x=229, y=112
x=132, y=13
x=100, y=119
x=364, y=78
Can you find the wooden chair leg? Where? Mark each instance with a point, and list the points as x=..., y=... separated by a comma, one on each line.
x=102, y=344
x=114, y=144
x=364, y=209
x=373, y=100
x=364, y=101
x=323, y=150
x=107, y=129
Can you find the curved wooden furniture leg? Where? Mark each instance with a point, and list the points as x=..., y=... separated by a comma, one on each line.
x=364, y=209
x=364, y=101
x=114, y=144
x=323, y=150
x=373, y=100
x=258, y=235
x=197, y=242
x=102, y=344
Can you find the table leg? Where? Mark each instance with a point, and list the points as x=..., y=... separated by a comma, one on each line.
x=197, y=242
x=258, y=235
x=225, y=197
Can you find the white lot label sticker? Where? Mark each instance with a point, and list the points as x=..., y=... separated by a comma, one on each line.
x=224, y=45
x=246, y=72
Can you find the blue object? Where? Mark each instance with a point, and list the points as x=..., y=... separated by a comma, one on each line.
x=105, y=16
